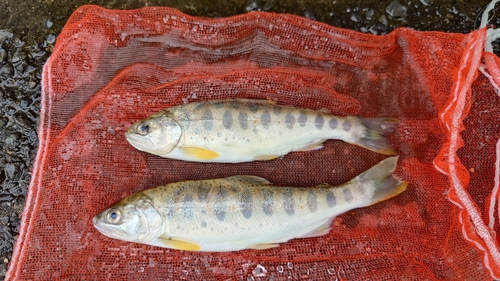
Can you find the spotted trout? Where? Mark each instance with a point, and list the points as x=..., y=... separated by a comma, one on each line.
x=240, y=212
x=243, y=130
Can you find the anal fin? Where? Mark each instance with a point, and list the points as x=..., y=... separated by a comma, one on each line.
x=312, y=146
x=266, y=157
x=263, y=246
x=321, y=230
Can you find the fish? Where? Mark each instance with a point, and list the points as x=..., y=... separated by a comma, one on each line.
x=241, y=212
x=245, y=130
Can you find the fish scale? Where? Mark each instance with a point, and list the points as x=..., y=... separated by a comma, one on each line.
x=242, y=130
x=241, y=212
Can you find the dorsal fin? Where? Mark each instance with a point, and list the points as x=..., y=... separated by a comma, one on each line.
x=250, y=179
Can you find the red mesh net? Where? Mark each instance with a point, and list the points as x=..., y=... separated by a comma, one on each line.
x=112, y=68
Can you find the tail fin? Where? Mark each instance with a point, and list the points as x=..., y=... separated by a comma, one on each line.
x=380, y=175
x=374, y=138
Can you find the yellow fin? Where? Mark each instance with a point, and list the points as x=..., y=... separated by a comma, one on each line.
x=263, y=246
x=396, y=191
x=266, y=157
x=200, y=153
x=179, y=244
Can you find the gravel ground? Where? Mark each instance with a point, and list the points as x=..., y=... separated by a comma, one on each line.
x=29, y=30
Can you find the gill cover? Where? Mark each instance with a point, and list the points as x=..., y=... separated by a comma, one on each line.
x=131, y=219
x=158, y=134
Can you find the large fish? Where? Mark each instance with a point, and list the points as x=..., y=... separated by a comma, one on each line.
x=242, y=130
x=240, y=212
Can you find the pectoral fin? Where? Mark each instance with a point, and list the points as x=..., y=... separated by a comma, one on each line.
x=263, y=246
x=178, y=244
x=199, y=153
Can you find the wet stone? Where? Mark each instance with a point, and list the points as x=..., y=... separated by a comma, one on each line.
x=396, y=10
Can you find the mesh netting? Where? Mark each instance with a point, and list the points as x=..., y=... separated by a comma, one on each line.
x=112, y=68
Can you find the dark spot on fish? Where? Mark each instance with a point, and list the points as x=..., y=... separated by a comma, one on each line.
x=235, y=104
x=302, y=118
x=288, y=202
x=188, y=206
x=203, y=191
x=267, y=205
x=243, y=120
x=346, y=125
x=254, y=107
x=265, y=119
x=207, y=120
x=311, y=201
x=331, y=200
x=200, y=105
x=319, y=121
x=227, y=119
x=333, y=123
x=220, y=212
x=361, y=189
x=347, y=195
x=246, y=204
x=203, y=224
x=277, y=109
x=219, y=104
x=289, y=121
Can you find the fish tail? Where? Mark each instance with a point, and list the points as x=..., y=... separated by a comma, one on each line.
x=374, y=135
x=384, y=183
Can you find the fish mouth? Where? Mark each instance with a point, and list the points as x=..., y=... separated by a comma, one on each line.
x=106, y=230
x=137, y=141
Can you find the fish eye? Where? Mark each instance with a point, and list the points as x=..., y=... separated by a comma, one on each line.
x=143, y=129
x=114, y=216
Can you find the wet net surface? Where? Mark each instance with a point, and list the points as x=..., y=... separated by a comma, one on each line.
x=112, y=68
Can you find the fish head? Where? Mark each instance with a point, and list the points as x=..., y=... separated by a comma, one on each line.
x=158, y=134
x=133, y=219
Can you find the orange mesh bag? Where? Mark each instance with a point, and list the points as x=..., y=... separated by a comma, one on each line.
x=112, y=68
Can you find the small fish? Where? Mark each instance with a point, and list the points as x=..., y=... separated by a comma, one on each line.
x=243, y=130
x=240, y=212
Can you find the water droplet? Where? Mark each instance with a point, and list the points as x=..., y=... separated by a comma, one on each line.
x=49, y=23
x=250, y=278
x=331, y=271
x=279, y=269
x=141, y=269
x=289, y=265
x=259, y=271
